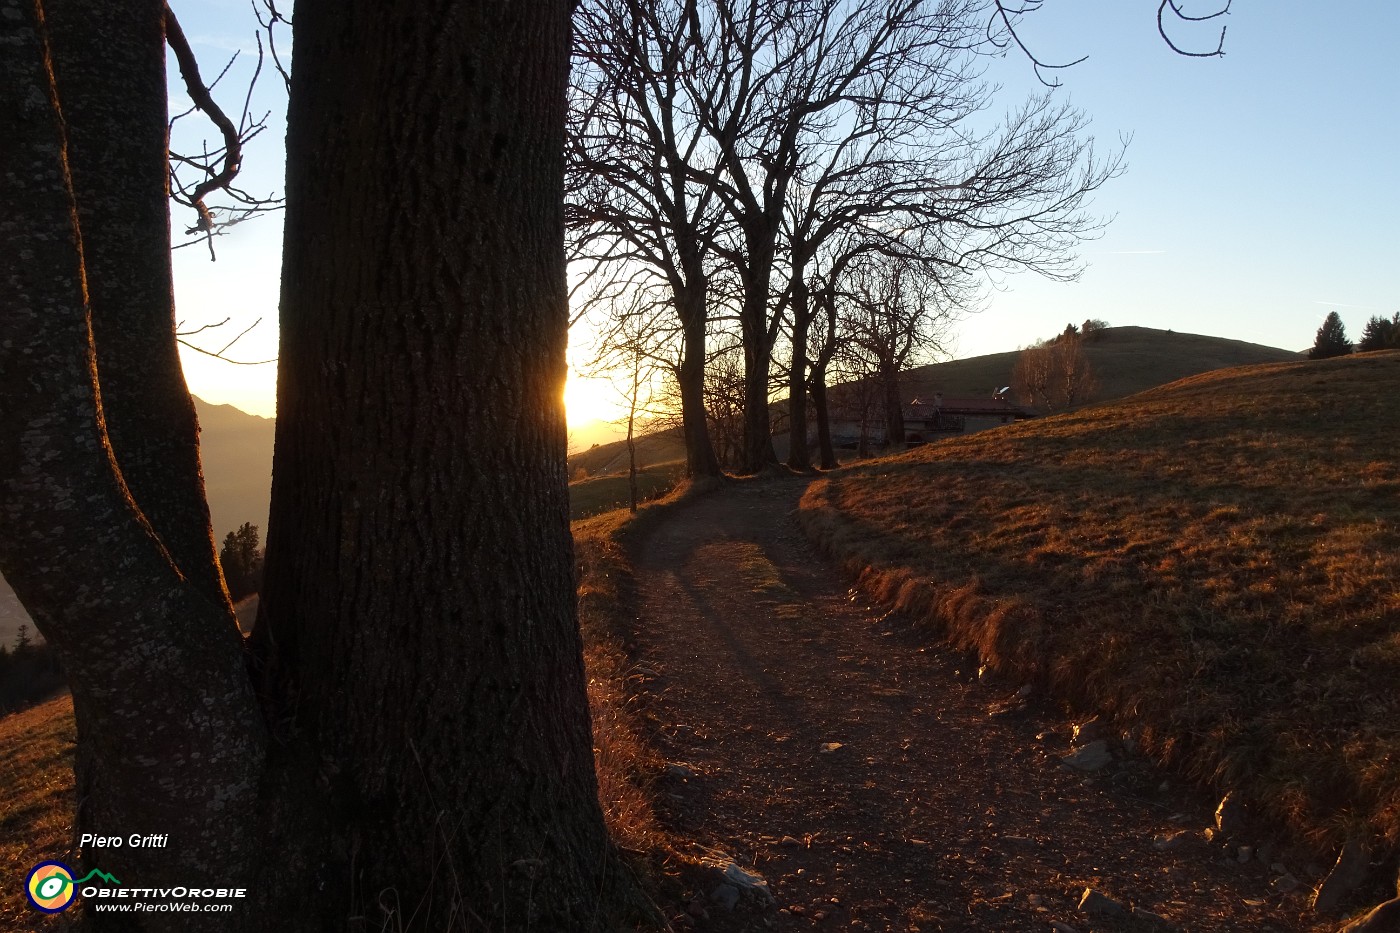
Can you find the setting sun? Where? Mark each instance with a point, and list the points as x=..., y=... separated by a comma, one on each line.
x=589, y=399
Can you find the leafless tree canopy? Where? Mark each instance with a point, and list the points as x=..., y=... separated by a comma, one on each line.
x=775, y=144
x=1053, y=375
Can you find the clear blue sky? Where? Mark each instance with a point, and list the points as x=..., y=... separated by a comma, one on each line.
x=1262, y=190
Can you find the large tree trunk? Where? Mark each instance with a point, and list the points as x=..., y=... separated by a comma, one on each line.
x=418, y=605
x=700, y=458
x=169, y=736
x=121, y=137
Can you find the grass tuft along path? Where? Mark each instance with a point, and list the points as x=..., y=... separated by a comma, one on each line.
x=871, y=779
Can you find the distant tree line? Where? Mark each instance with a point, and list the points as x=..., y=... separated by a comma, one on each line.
x=1381, y=333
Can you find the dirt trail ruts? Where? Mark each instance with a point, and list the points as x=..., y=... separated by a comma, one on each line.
x=945, y=807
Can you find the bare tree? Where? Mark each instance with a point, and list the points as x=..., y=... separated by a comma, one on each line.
x=834, y=116
x=817, y=116
x=724, y=400
x=779, y=83
x=897, y=315
x=638, y=346
x=1033, y=374
x=1054, y=374
x=636, y=216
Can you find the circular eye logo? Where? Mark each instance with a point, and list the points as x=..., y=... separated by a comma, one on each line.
x=50, y=887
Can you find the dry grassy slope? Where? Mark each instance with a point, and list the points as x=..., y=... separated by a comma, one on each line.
x=36, y=803
x=1213, y=562
x=652, y=449
x=1126, y=360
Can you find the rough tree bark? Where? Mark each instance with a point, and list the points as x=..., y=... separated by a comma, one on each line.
x=700, y=457
x=418, y=604
x=126, y=254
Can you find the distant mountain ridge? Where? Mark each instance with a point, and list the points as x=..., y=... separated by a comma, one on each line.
x=236, y=452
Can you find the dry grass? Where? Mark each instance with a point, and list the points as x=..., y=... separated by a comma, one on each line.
x=36, y=803
x=1214, y=563
x=589, y=497
x=611, y=458
x=623, y=759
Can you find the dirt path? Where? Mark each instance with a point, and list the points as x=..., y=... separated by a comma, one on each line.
x=945, y=807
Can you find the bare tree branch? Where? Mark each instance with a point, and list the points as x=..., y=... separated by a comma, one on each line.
x=219, y=354
x=1009, y=13
x=269, y=17
x=233, y=141
x=218, y=168
x=1162, y=28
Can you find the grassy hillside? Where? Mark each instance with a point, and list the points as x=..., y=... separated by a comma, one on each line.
x=588, y=497
x=1125, y=360
x=652, y=449
x=36, y=804
x=1213, y=563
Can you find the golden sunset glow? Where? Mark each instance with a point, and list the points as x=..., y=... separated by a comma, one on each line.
x=589, y=399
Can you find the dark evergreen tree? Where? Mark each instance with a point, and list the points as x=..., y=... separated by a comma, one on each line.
x=1331, y=339
x=242, y=561
x=1380, y=334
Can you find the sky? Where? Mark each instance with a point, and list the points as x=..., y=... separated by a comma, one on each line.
x=1261, y=192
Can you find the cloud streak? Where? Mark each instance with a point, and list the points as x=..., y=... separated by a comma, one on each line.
x=1338, y=304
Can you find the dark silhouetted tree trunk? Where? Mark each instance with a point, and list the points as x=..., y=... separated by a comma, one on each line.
x=700, y=457
x=893, y=404
x=418, y=604
x=799, y=451
x=758, y=334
